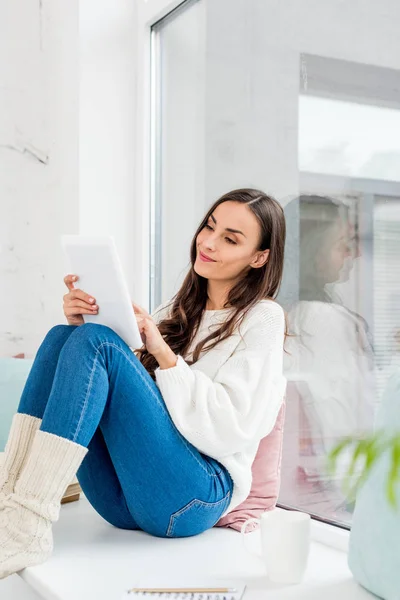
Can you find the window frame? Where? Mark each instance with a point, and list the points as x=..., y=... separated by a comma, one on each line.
x=149, y=12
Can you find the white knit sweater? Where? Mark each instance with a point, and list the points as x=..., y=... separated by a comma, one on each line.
x=227, y=401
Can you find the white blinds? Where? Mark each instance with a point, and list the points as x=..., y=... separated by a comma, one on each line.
x=386, y=287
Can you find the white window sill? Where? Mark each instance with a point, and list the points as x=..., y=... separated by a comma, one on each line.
x=95, y=560
x=329, y=535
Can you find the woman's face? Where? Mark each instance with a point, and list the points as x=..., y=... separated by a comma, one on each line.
x=333, y=262
x=233, y=252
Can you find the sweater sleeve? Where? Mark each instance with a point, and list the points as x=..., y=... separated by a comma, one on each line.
x=224, y=415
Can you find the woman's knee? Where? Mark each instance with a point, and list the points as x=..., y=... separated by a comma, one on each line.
x=53, y=343
x=94, y=332
x=57, y=335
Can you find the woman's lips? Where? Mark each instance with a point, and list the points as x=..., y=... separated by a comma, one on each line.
x=205, y=259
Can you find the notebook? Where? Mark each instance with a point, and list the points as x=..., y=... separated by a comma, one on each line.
x=193, y=589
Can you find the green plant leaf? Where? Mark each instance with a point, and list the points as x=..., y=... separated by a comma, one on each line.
x=394, y=472
x=350, y=486
x=371, y=449
x=336, y=451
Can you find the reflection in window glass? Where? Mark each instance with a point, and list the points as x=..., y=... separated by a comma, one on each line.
x=346, y=138
x=330, y=360
x=341, y=291
x=387, y=286
x=239, y=108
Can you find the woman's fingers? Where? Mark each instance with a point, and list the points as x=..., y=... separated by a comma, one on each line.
x=141, y=321
x=70, y=311
x=139, y=310
x=75, y=294
x=69, y=281
x=150, y=333
x=77, y=302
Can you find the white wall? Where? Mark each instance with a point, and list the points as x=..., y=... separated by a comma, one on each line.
x=67, y=107
x=38, y=163
x=107, y=61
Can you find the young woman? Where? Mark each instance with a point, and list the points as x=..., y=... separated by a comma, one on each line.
x=163, y=439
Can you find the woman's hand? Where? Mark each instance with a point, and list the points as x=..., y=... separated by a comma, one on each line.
x=77, y=303
x=153, y=339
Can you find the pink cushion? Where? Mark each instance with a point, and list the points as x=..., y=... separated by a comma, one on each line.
x=266, y=472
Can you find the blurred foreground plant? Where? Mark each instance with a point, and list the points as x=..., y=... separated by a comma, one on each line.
x=366, y=454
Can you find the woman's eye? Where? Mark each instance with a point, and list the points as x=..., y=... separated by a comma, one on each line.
x=207, y=226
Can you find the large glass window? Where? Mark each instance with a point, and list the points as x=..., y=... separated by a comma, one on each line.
x=302, y=101
x=178, y=58
x=341, y=250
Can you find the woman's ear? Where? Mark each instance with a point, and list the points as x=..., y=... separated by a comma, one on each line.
x=260, y=259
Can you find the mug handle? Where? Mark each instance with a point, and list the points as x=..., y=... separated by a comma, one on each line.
x=243, y=534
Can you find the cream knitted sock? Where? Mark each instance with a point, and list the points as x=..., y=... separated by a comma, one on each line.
x=20, y=438
x=26, y=537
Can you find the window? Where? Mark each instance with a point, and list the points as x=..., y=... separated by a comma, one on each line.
x=343, y=256
x=299, y=101
x=178, y=149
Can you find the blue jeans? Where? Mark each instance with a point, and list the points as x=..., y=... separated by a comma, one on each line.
x=140, y=472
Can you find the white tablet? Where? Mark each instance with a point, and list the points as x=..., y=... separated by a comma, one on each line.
x=96, y=262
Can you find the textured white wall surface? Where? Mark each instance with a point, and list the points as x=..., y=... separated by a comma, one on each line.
x=107, y=62
x=38, y=164
x=62, y=70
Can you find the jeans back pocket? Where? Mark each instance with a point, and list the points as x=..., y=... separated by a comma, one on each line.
x=196, y=516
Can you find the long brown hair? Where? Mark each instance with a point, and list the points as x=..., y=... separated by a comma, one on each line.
x=179, y=329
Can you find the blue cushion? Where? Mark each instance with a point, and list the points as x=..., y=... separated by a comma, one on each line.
x=13, y=375
x=374, y=556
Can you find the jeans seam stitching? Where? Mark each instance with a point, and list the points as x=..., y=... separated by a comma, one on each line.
x=83, y=411
x=162, y=406
x=175, y=515
x=78, y=427
x=150, y=390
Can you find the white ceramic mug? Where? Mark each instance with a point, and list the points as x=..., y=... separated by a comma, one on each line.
x=285, y=541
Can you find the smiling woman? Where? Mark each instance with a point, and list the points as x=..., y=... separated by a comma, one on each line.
x=232, y=254
x=242, y=240
x=176, y=445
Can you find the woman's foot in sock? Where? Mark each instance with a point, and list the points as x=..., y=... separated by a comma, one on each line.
x=26, y=539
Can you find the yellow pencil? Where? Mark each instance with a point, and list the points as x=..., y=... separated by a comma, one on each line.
x=184, y=590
